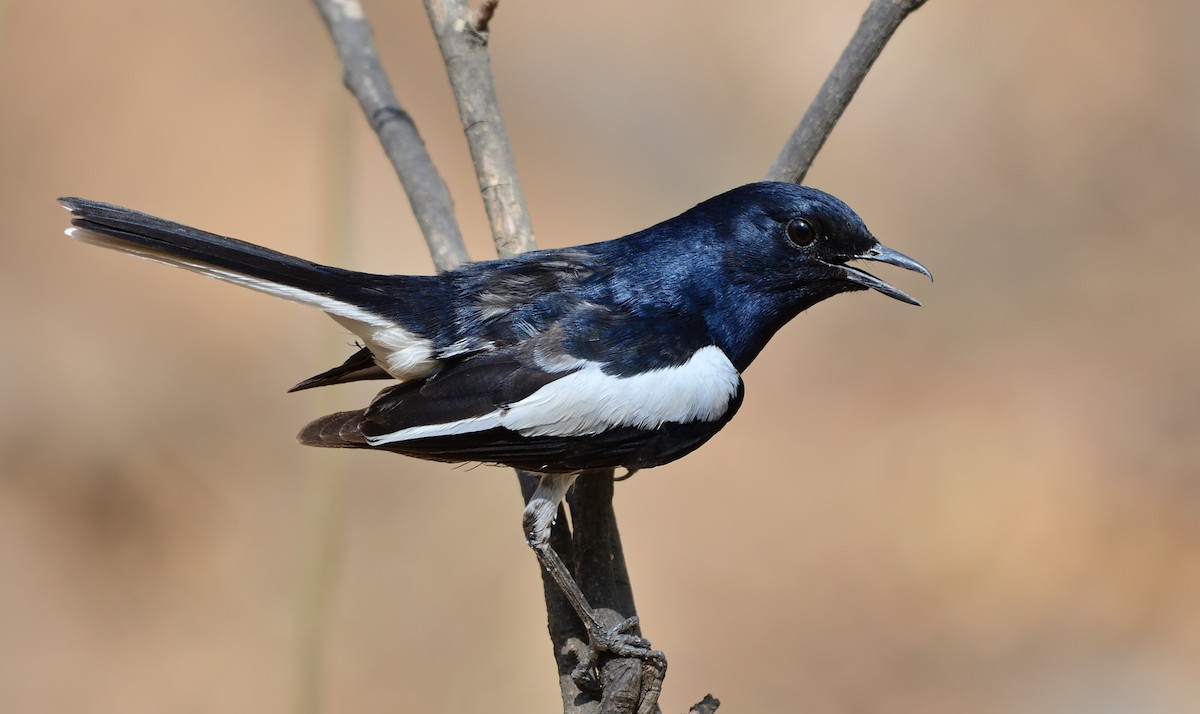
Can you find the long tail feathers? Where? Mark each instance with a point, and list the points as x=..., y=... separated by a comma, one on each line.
x=336, y=291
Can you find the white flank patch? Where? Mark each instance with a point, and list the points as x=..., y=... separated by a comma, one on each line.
x=591, y=402
x=403, y=354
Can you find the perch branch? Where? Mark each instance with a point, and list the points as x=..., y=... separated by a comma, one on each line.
x=462, y=37
x=364, y=76
x=878, y=24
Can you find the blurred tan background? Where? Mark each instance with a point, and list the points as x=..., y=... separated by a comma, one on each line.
x=988, y=504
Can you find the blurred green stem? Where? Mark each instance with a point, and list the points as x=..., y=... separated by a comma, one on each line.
x=325, y=483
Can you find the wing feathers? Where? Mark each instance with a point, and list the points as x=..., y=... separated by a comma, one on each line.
x=359, y=366
x=627, y=447
x=560, y=405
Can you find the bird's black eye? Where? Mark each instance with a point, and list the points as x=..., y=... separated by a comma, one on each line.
x=800, y=232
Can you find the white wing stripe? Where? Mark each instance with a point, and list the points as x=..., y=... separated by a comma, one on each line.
x=590, y=402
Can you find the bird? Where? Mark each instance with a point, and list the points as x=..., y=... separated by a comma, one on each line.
x=623, y=353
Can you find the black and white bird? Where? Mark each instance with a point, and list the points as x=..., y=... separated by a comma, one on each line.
x=623, y=353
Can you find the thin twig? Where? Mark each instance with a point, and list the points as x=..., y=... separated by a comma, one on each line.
x=325, y=483
x=464, y=51
x=365, y=78
x=878, y=24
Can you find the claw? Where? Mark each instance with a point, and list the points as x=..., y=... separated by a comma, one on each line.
x=617, y=641
x=585, y=662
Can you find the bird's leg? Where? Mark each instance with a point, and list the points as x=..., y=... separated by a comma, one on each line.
x=615, y=639
x=542, y=508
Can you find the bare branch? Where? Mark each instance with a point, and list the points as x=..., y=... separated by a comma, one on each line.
x=365, y=78
x=464, y=51
x=878, y=24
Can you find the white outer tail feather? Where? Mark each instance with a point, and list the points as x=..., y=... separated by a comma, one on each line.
x=403, y=354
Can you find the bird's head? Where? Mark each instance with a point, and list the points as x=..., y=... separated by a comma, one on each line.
x=771, y=250
x=797, y=242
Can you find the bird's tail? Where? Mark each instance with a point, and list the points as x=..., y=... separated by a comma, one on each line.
x=339, y=430
x=337, y=291
x=379, y=309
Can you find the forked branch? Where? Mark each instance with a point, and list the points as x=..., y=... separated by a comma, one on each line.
x=594, y=549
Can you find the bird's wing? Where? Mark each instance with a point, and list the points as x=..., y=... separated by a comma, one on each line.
x=547, y=398
x=496, y=304
x=502, y=303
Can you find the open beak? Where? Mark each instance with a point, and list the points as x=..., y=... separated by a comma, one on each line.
x=882, y=254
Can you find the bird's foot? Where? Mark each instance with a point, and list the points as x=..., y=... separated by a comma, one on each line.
x=619, y=640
